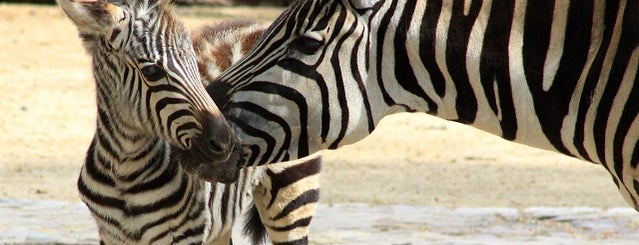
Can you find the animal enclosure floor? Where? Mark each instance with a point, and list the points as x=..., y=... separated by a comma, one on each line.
x=59, y=222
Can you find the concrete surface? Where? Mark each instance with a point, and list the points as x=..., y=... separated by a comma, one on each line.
x=59, y=222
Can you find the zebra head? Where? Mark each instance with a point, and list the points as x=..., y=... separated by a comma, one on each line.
x=148, y=83
x=287, y=97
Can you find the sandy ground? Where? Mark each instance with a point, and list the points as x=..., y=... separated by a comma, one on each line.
x=48, y=115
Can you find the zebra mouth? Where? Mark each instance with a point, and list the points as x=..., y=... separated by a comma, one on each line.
x=202, y=166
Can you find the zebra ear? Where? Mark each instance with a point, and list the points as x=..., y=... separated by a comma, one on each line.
x=92, y=16
x=363, y=5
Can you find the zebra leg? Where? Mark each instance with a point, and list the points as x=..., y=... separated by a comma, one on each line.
x=222, y=239
x=286, y=199
x=627, y=180
x=227, y=202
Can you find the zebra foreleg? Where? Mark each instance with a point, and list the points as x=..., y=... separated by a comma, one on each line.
x=285, y=200
x=222, y=239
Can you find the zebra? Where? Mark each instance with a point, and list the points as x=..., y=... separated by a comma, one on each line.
x=557, y=75
x=286, y=194
x=145, y=177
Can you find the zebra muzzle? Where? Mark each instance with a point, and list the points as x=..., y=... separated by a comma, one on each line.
x=217, y=140
x=212, y=171
x=215, y=155
x=222, y=172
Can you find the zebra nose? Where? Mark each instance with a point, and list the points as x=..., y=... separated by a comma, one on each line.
x=217, y=139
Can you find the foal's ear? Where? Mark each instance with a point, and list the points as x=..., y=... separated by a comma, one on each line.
x=92, y=16
x=363, y=5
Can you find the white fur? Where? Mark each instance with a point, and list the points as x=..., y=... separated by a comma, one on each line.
x=88, y=23
x=363, y=4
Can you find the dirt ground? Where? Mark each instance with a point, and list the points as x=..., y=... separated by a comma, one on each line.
x=48, y=115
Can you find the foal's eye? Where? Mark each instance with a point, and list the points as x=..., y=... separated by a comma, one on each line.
x=153, y=72
x=306, y=45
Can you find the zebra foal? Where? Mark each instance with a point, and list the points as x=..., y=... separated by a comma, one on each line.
x=156, y=129
x=559, y=75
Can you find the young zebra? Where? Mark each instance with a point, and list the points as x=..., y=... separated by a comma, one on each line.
x=158, y=134
x=558, y=75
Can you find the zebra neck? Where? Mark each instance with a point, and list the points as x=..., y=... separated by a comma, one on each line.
x=137, y=188
x=128, y=153
x=117, y=95
x=123, y=143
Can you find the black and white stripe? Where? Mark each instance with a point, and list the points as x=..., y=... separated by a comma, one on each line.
x=554, y=74
x=284, y=195
x=157, y=132
x=154, y=122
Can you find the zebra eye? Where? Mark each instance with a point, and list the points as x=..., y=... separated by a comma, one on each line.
x=152, y=72
x=306, y=45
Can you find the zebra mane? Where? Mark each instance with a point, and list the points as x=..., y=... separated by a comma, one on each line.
x=143, y=4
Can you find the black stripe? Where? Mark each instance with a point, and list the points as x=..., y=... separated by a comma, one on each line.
x=97, y=198
x=404, y=72
x=149, y=167
x=101, y=217
x=309, y=196
x=456, y=49
x=189, y=205
x=191, y=232
x=162, y=202
x=159, y=182
x=254, y=132
x=224, y=203
x=310, y=72
x=91, y=168
x=551, y=106
x=628, y=41
x=301, y=241
x=255, y=151
x=269, y=117
x=298, y=223
x=593, y=74
x=354, y=61
x=291, y=175
x=494, y=66
x=302, y=106
x=383, y=28
x=427, y=30
x=339, y=80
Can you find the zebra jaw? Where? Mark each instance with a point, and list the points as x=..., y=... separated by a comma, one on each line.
x=198, y=164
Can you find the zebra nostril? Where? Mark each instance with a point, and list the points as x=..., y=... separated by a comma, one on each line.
x=217, y=137
x=215, y=146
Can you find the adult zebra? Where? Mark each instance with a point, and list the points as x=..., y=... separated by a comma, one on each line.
x=286, y=194
x=559, y=75
x=158, y=134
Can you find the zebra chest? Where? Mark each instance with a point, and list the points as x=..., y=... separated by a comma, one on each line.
x=155, y=217
x=154, y=209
